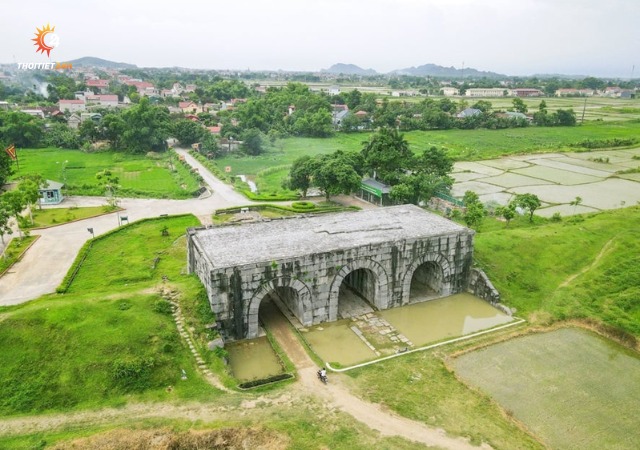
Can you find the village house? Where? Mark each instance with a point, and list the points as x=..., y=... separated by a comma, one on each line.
x=571, y=92
x=485, y=92
x=102, y=86
x=525, y=92
x=71, y=105
x=449, y=91
x=108, y=100
x=189, y=107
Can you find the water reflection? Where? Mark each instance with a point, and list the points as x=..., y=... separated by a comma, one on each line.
x=443, y=318
x=253, y=359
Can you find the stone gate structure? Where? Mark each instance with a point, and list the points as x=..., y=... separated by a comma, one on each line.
x=305, y=260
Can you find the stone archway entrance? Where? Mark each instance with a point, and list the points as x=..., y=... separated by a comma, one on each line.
x=427, y=282
x=428, y=277
x=291, y=297
x=357, y=294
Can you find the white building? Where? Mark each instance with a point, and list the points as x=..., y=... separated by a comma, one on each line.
x=485, y=92
x=449, y=91
x=71, y=105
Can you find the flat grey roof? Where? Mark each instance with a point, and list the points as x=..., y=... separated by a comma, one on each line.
x=237, y=245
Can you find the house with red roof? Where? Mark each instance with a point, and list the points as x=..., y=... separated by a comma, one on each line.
x=189, y=107
x=101, y=85
x=108, y=100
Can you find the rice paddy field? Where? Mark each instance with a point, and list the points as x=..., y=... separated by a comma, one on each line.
x=570, y=388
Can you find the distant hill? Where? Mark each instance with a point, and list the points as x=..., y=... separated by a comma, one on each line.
x=435, y=70
x=349, y=69
x=92, y=61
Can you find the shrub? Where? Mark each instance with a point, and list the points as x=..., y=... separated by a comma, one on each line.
x=303, y=206
x=556, y=217
x=132, y=373
x=163, y=307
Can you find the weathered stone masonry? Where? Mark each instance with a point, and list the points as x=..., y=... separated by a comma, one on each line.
x=306, y=259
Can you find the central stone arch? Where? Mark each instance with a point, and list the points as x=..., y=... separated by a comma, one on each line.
x=381, y=296
x=441, y=273
x=300, y=306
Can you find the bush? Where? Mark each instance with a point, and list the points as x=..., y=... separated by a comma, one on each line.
x=163, y=307
x=303, y=206
x=556, y=217
x=131, y=373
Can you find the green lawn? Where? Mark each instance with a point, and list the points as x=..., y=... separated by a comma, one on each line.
x=136, y=254
x=139, y=175
x=43, y=218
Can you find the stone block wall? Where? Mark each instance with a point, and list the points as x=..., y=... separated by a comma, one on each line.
x=235, y=292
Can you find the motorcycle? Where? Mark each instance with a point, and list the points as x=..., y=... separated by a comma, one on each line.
x=322, y=377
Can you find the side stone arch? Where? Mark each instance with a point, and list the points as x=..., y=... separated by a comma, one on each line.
x=381, y=299
x=302, y=307
x=441, y=261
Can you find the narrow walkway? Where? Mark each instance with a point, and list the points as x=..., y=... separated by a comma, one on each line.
x=336, y=394
x=597, y=259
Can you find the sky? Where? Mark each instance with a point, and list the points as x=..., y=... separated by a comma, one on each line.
x=513, y=37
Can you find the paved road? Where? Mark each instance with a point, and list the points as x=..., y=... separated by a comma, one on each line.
x=48, y=260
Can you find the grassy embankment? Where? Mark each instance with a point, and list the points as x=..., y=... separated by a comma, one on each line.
x=270, y=168
x=110, y=339
x=139, y=175
x=533, y=267
x=14, y=251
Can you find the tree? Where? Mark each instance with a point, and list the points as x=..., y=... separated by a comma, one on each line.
x=21, y=129
x=110, y=183
x=209, y=146
x=30, y=189
x=15, y=203
x=301, y=174
x=474, y=210
x=507, y=212
x=5, y=216
x=5, y=165
x=335, y=175
x=519, y=105
x=386, y=155
x=529, y=202
x=61, y=136
x=575, y=202
x=144, y=127
x=483, y=105
x=188, y=132
x=564, y=117
x=253, y=141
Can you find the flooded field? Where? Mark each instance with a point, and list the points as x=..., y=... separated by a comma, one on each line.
x=336, y=342
x=556, y=178
x=253, y=359
x=444, y=318
x=571, y=388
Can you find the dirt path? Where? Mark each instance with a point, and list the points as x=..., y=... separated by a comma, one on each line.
x=595, y=261
x=337, y=395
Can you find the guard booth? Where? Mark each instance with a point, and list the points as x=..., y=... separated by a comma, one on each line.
x=51, y=193
x=375, y=192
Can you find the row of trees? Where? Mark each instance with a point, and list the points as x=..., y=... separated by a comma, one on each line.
x=385, y=157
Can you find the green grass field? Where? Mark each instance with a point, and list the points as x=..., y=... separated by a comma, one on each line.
x=572, y=388
x=139, y=175
x=463, y=145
